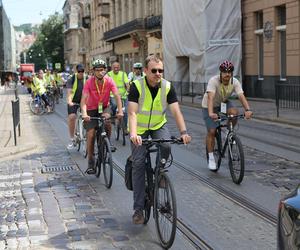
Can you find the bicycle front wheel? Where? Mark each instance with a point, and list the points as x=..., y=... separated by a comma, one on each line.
x=36, y=108
x=165, y=210
x=236, y=159
x=97, y=151
x=107, y=162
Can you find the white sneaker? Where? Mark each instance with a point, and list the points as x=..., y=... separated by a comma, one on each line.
x=212, y=164
x=71, y=145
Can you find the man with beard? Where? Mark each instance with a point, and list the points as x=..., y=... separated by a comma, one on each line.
x=215, y=99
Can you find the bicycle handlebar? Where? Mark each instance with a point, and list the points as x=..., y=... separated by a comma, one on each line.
x=224, y=117
x=162, y=140
x=102, y=118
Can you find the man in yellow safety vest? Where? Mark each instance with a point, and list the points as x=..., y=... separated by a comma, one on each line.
x=148, y=100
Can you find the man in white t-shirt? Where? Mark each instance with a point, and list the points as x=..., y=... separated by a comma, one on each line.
x=137, y=72
x=215, y=99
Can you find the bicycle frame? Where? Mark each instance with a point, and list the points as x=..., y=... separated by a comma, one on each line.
x=160, y=194
x=235, y=150
x=230, y=130
x=153, y=173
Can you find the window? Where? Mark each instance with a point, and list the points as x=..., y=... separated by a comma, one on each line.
x=281, y=29
x=260, y=44
x=259, y=20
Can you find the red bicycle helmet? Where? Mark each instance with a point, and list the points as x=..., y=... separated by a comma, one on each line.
x=226, y=66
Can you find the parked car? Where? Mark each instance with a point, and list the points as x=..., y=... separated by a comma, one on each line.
x=288, y=227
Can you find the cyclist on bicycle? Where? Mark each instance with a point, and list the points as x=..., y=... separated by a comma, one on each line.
x=219, y=89
x=148, y=100
x=95, y=102
x=38, y=86
x=74, y=92
x=137, y=72
x=122, y=83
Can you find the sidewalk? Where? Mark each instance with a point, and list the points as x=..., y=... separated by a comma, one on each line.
x=263, y=109
x=45, y=209
x=25, y=142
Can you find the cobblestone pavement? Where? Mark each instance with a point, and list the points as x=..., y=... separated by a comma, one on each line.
x=280, y=174
x=54, y=209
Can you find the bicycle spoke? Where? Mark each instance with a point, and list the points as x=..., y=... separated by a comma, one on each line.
x=236, y=159
x=107, y=162
x=165, y=211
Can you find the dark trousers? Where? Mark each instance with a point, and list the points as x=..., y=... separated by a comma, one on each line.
x=138, y=164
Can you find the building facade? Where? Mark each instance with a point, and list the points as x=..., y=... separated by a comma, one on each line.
x=134, y=30
x=6, y=62
x=271, y=45
x=100, y=24
x=114, y=30
x=76, y=33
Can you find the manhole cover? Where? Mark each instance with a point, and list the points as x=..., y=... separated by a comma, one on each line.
x=50, y=169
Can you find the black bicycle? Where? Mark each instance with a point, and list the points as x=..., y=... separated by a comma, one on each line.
x=159, y=192
x=236, y=160
x=104, y=152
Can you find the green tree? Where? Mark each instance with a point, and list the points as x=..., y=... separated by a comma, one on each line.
x=27, y=28
x=48, y=47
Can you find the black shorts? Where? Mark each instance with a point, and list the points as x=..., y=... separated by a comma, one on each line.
x=73, y=109
x=94, y=113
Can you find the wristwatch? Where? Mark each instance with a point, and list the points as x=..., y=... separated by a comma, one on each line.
x=183, y=132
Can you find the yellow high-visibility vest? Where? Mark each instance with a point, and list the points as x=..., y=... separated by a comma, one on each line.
x=151, y=113
x=75, y=84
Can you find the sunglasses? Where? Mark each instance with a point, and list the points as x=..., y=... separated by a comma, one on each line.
x=81, y=71
x=138, y=68
x=154, y=71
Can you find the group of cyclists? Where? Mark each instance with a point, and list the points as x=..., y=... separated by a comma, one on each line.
x=37, y=84
x=145, y=95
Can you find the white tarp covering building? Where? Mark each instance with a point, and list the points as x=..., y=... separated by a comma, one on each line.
x=198, y=35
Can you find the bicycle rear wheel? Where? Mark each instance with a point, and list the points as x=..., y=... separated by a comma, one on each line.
x=165, y=210
x=148, y=193
x=84, y=142
x=78, y=134
x=116, y=129
x=51, y=102
x=236, y=160
x=107, y=162
x=217, y=150
x=123, y=130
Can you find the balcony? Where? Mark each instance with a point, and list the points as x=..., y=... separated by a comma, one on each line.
x=124, y=30
x=153, y=22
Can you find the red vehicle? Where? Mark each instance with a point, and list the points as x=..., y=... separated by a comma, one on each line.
x=26, y=69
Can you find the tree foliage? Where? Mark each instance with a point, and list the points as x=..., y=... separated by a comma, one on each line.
x=27, y=28
x=48, y=47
